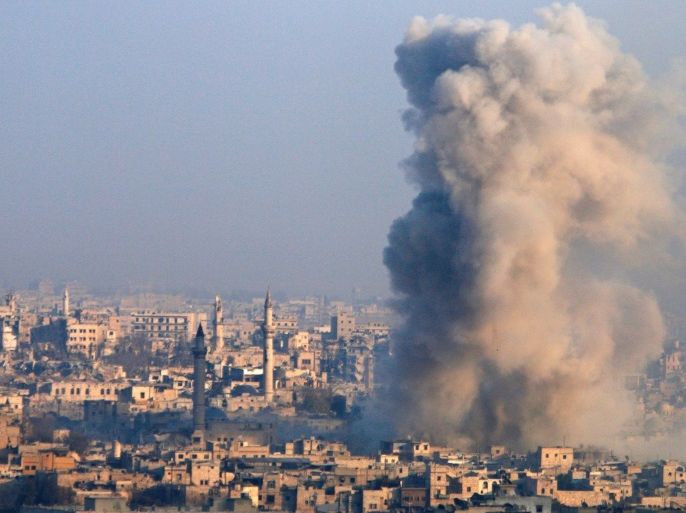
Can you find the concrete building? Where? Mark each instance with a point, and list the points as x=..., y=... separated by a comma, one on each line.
x=540, y=485
x=672, y=473
x=342, y=325
x=33, y=461
x=8, y=337
x=555, y=459
x=84, y=338
x=242, y=376
x=436, y=476
x=166, y=326
x=286, y=325
x=10, y=434
x=52, y=332
x=78, y=390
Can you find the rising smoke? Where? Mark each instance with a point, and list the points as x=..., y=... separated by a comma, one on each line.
x=538, y=158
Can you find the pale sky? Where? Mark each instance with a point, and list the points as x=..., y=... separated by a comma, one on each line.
x=223, y=145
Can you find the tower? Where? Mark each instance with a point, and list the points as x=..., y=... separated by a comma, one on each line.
x=9, y=324
x=436, y=483
x=199, y=368
x=218, y=324
x=11, y=302
x=65, y=303
x=268, y=358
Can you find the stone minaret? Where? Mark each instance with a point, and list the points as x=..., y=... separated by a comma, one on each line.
x=218, y=324
x=11, y=301
x=65, y=303
x=268, y=360
x=199, y=368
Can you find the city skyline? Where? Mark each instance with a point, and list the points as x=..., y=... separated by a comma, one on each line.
x=323, y=257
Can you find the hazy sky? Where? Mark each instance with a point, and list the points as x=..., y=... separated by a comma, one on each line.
x=223, y=145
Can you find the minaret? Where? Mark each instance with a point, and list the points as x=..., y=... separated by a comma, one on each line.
x=268, y=359
x=65, y=303
x=11, y=301
x=199, y=368
x=218, y=324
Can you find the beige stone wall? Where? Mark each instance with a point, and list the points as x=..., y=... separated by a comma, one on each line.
x=556, y=459
x=576, y=498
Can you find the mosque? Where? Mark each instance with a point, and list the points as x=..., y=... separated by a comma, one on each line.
x=201, y=430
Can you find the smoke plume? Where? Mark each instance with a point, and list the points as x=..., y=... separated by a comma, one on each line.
x=538, y=159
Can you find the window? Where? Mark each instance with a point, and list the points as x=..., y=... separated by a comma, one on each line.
x=539, y=508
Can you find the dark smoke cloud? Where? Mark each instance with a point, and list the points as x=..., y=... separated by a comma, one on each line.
x=538, y=154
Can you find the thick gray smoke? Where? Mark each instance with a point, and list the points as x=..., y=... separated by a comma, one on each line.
x=538, y=160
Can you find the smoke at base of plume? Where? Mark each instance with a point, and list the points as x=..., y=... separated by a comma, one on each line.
x=538, y=158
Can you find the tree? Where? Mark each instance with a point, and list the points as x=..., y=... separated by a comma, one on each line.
x=339, y=405
x=40, y=489
x=315, y=400
x=135, y=355
x=78, y=442
x=41, y=428
x=159, y=495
